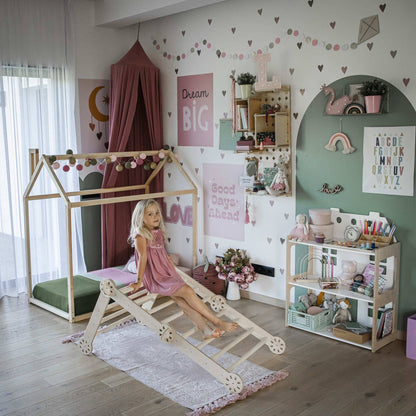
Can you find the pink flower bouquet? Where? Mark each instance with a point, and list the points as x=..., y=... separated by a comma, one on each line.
x=236, y=267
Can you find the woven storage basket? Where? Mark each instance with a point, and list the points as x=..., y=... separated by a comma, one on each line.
x=209, y=279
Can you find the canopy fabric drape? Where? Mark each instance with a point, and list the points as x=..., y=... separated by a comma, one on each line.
x=135, y=124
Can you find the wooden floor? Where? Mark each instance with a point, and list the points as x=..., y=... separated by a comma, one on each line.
x=41, y=376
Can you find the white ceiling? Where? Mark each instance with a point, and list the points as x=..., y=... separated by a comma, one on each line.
x=121, y=13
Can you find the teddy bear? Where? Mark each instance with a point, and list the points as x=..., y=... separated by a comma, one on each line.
x=342, y=314
x=349, y=271
x=308, y=300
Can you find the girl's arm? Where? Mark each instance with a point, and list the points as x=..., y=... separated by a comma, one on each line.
x=141, y=248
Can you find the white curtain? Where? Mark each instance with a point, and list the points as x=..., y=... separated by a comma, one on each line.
x=37, y=89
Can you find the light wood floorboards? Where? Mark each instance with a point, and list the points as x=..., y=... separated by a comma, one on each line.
x=39, y=376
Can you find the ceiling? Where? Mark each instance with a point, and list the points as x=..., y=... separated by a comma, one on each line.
x=121, y=13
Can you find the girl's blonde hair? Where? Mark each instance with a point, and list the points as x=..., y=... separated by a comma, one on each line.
x=138, y=227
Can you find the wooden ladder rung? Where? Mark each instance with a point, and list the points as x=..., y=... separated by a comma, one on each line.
x=190, y=332
x=172, y=317
x=233, y=343
x=162, y=306
x=247, y=354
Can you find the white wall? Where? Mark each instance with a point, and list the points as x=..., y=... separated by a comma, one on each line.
x=296, y=65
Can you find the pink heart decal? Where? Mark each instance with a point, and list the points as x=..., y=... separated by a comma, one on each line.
x=393, y=54
x=286, y=215
x=178, y=198
x=382, y=7
x=344, y=69
x=225, y=115
x=183, y=33
x=249, y=42
x=310, y=2
x=271, y=202
x=200, y=251
x=169, y=239
x=269, y=240
x=169, y=113
x=332, y=24
x=199, y=52
x=202, y=150
x=260, y=11
x=299, y=44
x=291, y=70
x=233, y=29
x=276, y=19
x=295, y=115
x=169, y=174
x=222, y=155
x=187, y=239
x=370, y=45
x=176, y=70
x=302, y=91
x=406, y=81
x=224, y=92
x=282, y=271
x=197, y=170
x=209, y=21
x=282, y=240
x=92, y=126
x=164, y=40
x=216, y=245
x=320, y=67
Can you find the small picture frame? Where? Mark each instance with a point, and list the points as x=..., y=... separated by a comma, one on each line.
x=355, y=94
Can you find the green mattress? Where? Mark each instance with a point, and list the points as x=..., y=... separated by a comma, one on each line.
x=55, y=293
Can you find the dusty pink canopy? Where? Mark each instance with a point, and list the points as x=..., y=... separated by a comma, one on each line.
x=135, y=124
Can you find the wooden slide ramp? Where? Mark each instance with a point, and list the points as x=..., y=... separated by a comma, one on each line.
x=142, y=307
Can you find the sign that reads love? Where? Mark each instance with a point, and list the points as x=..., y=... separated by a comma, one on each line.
x=224, y=214
x=195, y=110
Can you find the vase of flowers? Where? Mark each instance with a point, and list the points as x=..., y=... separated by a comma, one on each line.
x=237, y=269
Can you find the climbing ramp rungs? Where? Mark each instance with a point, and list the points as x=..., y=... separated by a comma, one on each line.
x=143, y=310
x=232, y=344
x=249, y=353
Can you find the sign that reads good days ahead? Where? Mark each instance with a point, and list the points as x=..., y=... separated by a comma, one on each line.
x=389, y=160
x=223, y=201
x=195, y=110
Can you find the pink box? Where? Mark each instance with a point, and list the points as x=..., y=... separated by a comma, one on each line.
x=320, y=216
x=411, y=337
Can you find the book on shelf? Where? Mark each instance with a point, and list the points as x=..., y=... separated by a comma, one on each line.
x=244, y=117
x=385, y=323
x=240, y=147
x=238, y=118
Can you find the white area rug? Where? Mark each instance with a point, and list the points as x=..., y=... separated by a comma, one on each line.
x=138, y=351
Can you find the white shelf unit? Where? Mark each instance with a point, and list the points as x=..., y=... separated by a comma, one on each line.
x=387, y=257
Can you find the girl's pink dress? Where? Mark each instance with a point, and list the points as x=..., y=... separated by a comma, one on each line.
x=160, y=275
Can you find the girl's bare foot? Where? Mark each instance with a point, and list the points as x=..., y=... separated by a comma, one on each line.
x=228, y=326
x=216, y=333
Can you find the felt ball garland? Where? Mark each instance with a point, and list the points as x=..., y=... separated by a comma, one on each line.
x=148, y=163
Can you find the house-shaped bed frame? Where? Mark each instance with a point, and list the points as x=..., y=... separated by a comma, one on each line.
x=44, y=163
x=141, y=305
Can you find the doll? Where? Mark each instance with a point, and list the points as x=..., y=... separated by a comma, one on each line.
x=301, y=231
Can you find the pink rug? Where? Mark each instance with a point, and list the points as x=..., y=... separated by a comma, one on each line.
x=176, y=376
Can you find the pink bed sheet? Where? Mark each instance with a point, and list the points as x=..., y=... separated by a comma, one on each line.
x=116, y=274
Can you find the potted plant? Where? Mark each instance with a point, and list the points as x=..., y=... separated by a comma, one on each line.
x=245, y=81
x=237, y=269
x=373, y=92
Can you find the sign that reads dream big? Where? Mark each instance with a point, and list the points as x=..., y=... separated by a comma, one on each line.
x=195, y=110
x=224, y=214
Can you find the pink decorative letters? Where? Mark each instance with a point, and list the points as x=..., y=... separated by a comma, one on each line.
x=262, y=84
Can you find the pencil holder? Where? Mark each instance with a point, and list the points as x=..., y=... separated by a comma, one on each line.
x=378, y=240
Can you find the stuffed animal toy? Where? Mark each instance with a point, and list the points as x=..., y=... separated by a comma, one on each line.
x=301, y=231
x=342, y=314
x=330, y=302
x=358, y=283
x=349, y=270
x=308, y=300
x=280, y=183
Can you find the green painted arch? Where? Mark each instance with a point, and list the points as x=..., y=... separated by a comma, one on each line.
x=316, y=165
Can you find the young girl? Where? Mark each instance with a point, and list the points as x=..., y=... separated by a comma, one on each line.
x=158, y=275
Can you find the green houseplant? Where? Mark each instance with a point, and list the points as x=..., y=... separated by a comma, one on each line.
x=245, y=80
x=373, y=92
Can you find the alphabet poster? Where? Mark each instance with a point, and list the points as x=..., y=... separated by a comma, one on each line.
x=389, y=160
x=224, y=214
x=195, y=110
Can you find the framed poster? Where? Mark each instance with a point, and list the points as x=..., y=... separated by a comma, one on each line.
x=389, y=160
x=224, y=214
x=195, y=110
